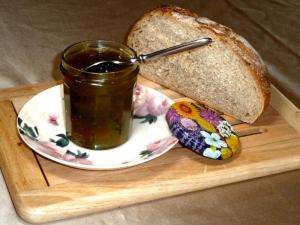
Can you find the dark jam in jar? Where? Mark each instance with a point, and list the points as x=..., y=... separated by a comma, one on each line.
x=98, y=100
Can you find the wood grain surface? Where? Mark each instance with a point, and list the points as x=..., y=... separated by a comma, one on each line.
x=39, y=187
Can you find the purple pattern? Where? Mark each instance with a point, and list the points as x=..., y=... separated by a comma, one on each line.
x=210, y=116
x=191, y=139
x=172, y=116
x=190, y=133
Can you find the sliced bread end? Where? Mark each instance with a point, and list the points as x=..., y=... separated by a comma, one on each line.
x=228, y=75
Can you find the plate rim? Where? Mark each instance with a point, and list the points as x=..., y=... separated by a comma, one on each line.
x=85, y=166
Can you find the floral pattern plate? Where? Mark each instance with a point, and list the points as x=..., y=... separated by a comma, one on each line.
x=41, y=126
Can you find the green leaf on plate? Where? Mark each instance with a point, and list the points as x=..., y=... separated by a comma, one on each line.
x=63, y=141
x=19, y=121
x=147, y=119
x=36, y=130
x=145, y=154
x=29, y=131
x=80, y=155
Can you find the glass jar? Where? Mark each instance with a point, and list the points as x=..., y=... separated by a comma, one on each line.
x=98, y=102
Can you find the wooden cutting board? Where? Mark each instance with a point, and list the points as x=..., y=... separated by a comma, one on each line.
x=45, y=191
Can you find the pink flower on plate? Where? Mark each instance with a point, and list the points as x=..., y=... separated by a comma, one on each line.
x=148, y=103
x=46, y=147
x=83, y=161
x=55, y=151
x=72, y=158
x=53, y=119
x=161, y=145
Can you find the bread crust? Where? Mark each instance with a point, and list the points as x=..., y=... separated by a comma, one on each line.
x=238, y=44
x=252, y=60
x=164, y=9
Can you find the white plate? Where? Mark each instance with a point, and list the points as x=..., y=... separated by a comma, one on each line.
x=41, y=126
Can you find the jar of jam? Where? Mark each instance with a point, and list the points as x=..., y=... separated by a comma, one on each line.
x=98, y=99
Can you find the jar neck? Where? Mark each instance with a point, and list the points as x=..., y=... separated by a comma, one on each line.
x=97, y=78
x=77, y=57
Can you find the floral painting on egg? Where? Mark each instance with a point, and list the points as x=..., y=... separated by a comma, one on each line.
x=202, y=130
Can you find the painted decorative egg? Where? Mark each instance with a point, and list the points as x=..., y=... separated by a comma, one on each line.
x=202, y=130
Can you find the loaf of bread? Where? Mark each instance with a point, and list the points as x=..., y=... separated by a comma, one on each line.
x=227, y=75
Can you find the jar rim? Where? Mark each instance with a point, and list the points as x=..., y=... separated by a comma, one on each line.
x=102, y=43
